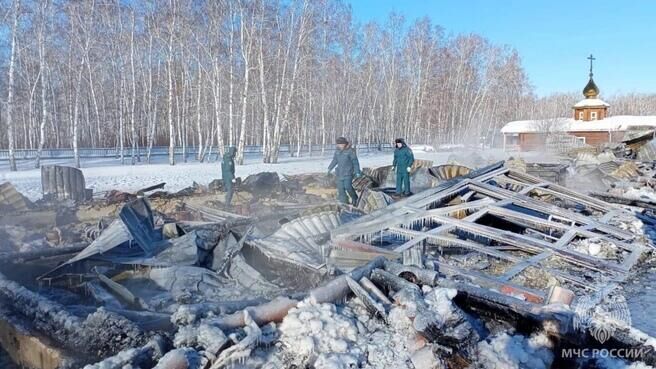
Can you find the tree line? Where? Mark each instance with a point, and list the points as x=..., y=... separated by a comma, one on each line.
x=211, y=73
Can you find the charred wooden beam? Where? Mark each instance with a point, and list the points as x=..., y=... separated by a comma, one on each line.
x=145, y=356
x=412, y=273
x=123, y=293
x=31, y=349
x=18, y=257
x=272, y=311
x=189, y=314
x=277, y=309
x=96, y=334
x=622, y=200
x=489, y=303
x=481, y=279
x=374, y=307
x=556, y=322
x=368, y=285
x=392, y=282
x=337, y=289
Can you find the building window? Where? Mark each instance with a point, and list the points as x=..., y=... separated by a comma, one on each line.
x=580, y=140
x=580, y=115
x=593, y=115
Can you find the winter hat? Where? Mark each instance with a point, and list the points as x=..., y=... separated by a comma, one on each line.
x=399, y=141
x=341, y=140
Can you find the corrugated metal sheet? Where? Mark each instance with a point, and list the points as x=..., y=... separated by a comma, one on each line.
x=373, y=200
x=648, y=151
x=619, y=170
x=449, y=171
x=11, y=199
x=115, y=235
x=301, y=240
x=62, y=183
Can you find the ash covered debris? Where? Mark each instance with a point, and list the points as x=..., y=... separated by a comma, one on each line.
x=479, y=269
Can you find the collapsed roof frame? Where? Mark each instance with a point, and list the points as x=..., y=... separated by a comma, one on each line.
x=501, y=192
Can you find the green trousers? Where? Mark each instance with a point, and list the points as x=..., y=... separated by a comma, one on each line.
x=227, y=187
x=344, y=185
x=402, y=181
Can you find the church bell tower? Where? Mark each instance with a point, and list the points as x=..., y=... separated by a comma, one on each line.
x=592, y=107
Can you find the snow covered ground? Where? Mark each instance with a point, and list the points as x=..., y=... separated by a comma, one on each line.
x=107, y=174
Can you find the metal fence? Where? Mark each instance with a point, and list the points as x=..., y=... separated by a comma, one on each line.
x=191, y=151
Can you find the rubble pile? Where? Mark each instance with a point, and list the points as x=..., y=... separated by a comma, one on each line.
x=482, y=267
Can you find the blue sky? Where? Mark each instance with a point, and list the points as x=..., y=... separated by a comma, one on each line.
x=553, y=37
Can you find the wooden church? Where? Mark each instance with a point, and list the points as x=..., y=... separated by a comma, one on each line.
x=591, y=123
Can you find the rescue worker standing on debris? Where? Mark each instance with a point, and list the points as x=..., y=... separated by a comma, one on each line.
x=348, y=167
x=403, y=160
x=228, y=172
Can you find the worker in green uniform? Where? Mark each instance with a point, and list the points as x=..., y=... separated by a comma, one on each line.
x=228, y=172
x=403, y=160
x=348, y=166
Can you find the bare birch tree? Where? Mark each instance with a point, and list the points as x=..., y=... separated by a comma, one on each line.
x=11, y=86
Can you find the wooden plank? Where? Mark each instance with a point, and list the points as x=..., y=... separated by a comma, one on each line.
x=392, y=211
x=566, y=238
x=632, y=259
x=410, y=243
x=519, y=267
x=447, y=210
x=624, y=200
x=556, y=188
x=583, y=231
x=380, y=217
x=426, y=202
x=440, y=229
x=495, y=252
x=592, y=205
x=358, y=255
x=460, y=243
x=530, y=188
x=540, y=206
x=481, y=279
x=358, y=246
x=521, y=241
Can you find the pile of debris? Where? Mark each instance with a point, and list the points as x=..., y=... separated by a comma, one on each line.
x=623, y=173
x=480, y=268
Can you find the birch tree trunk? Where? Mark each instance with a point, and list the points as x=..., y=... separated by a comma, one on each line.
x=245, y=39
x=76, y=105
x=263, y=91
x=133, y=112
x=43, y=68
x=231, y=83
x=170, y=87
x=199, y=155
x=11, y=86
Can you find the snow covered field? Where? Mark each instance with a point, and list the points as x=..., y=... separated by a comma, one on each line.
x=107, y=173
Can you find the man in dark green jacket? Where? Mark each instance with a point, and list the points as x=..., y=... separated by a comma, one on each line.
x=348, y=166
x=228, y=172
x=403, y=160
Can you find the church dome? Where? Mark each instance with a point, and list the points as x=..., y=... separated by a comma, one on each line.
x=591, y=91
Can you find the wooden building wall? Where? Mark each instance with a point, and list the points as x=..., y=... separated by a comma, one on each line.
x=532, y=141
x=536, y=141
x=587, y=116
